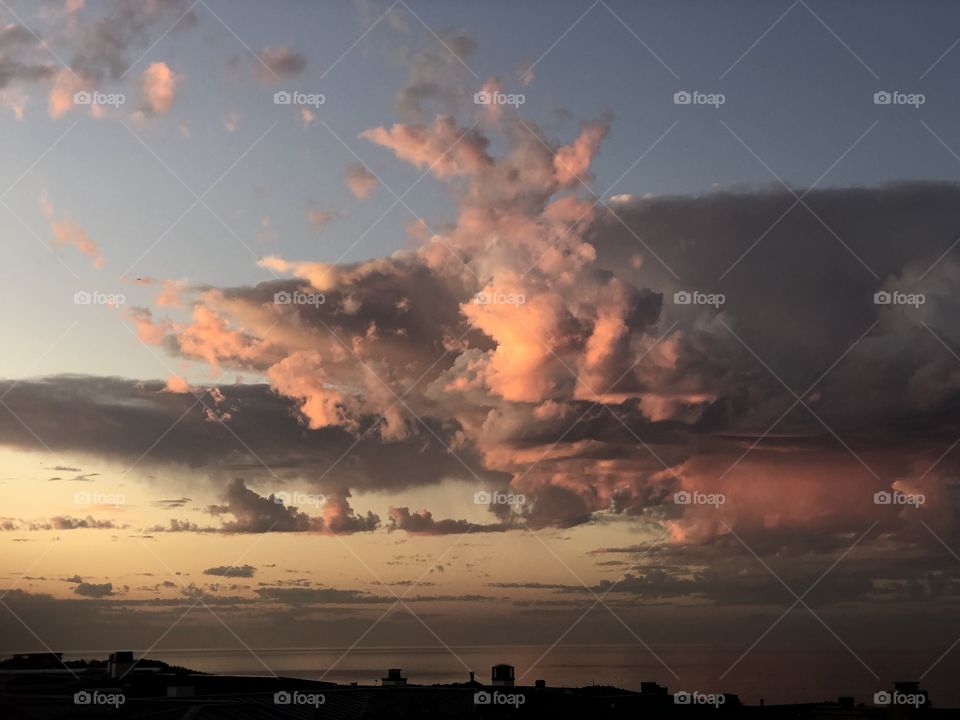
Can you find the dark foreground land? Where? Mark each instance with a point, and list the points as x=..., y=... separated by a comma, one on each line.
x=49, y=689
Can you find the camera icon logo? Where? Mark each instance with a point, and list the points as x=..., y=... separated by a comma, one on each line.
x=482, y=698
x=82, y=97
x=881, y=698
x=482, y=298
x=682, y=97
x=282, y=298
x=682, y=297
x=882, y=297
x=282, y=97
x=82, y=297
x=882, y=497
x=482, y=498
x=882, y=97
x=681, y=498
x=681, y=698
x=482, y=98
x=82, y=698
x=282, y=698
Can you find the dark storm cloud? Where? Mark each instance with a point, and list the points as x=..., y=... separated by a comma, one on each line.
x=122, y=419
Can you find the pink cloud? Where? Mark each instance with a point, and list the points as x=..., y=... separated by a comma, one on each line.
x=360, y=181
x=159, y=87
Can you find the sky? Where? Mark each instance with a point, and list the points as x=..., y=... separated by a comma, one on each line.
x=449, y=324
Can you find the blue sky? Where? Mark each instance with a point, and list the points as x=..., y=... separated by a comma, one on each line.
x=799, y=99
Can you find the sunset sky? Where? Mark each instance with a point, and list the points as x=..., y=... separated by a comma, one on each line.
x=393, y=366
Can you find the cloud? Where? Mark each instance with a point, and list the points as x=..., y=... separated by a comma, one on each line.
x=67, y=232
x=422, y=523
x=359, y=180
x=243, y=571
x=254, y=513
x=117, y=418
x=106, y=47
x=175, y=526
x=177, y=384
x=534, y=338
x=171, y=504
x=437, y=75
x=66, y=522
x=318, y=219
x=257, y=514
x=443, y=147
x=158, y=85
x=280, y=63
x=94, y=590
x=316, y=596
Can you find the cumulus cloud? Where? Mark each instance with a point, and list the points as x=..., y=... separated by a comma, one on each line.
x=253, y=513
x=443, y=147
x=158, y=85
x=534, y=340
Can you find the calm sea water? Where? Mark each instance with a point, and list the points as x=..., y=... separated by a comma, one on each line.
x=799, y=677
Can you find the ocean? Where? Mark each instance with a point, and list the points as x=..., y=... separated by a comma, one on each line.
x=801, y=676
